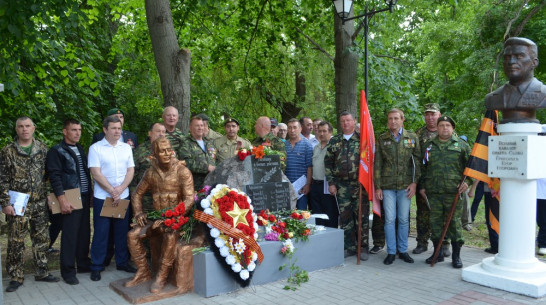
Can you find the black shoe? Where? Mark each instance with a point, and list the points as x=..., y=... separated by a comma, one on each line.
x=348, y=253
x=13, y=285
x=376, y=249
x=389, y=259
x=405, y=257
x=445, y=250
x=440, y=256
x=49, y=279
x=127, y=268
x=84, y=270
x=71, y=280
x=419, y=249
x=491, y=250
x=95, y=276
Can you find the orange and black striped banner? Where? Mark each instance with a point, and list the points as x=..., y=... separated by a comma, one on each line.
x=477, y=163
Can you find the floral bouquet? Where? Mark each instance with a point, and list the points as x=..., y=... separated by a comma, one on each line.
x=232, y=223
x=174, y=219
x=259, y=152
x=291, y=226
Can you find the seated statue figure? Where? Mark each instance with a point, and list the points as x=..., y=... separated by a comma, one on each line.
x=170, y=182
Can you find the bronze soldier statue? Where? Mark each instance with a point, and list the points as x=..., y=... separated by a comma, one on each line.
x=170, y=182
x=523, y=94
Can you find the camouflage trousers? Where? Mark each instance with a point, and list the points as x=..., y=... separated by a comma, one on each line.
x=440, y=206
x=422, y=219
x=347, y=198
x=18, y=228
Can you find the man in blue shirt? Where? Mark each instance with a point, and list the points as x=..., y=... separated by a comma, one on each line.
x=299, y=160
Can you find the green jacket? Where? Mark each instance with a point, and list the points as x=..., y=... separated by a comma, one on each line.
x=197, y=159
x=176, y=138
x=443, y=164
x=396, y=164
x=24, y=173
x=143, y=160
x=342, y=159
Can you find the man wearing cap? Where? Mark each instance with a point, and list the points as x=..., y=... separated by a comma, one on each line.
x=198, y=152
x=126, y=136
x=175, y=135
x=307, y=129
x=274, y=126
x=266, y=138
x=444, y=160
x=396, y=172
x=208, y=133
x=425, y=133
x=228, y=145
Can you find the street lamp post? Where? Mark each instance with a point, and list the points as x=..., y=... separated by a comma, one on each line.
x=343, y=9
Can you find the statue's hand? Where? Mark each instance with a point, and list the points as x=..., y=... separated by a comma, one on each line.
x=157, y=224
x=140, y=219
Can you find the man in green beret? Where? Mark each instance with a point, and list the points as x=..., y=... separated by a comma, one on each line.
x=228, y=145
x=444, y=160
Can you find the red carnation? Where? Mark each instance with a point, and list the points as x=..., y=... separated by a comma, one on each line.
x=169, y=213
x=168, y=222
x=272, y=218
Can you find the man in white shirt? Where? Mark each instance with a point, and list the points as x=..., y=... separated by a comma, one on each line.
x=307, y=129
x=112, y=166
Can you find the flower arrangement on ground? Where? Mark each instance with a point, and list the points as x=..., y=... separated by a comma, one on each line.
x=293, y=225
x=232, y=229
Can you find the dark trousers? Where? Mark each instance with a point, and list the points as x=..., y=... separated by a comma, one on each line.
x=55, y=226
x=321, y=203
x=493, y=236
x=75, y=240
x=102, y=227
x=541, y=222
x=378, y=228
x=478, y=194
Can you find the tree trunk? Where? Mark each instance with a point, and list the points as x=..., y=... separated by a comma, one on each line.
x=172, y=63
x=346, y=64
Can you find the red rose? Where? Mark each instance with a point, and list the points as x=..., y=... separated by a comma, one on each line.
x=282, y=224
x=169, y=213
x=272, y=218
x=168, y=222
x=285, y=236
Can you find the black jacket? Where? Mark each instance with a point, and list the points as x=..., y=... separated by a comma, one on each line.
x=62, y=168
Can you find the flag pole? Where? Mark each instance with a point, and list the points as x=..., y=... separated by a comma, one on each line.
x=446, y=225
x=359, y=242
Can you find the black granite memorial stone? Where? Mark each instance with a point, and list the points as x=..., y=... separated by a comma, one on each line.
x=266, y=169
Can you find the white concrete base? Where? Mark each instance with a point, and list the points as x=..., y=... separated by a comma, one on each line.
x=530, y=282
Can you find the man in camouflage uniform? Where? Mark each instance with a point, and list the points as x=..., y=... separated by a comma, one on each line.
x=198, y=152
x=175, y=135
x=143, y=156
x=266, y=138
x=444, y=160
x=425, y=133
x=341, y=166
x=208, y=133
x=396, y=172
x=22, y=164
x=227, y=146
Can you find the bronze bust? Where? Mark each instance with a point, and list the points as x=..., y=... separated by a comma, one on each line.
x=523, y=94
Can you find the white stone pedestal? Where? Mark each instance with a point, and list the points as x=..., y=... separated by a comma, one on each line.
x=515, y=157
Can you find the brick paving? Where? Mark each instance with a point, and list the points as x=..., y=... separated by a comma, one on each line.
x=371, y=282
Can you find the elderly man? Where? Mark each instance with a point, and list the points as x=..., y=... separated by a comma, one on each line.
x=523, y=94
x=170, y=119
x=322, y=203
x=143, y=157
x=283, y=131
x=22, y=164
x=227, y=146
x=67, y=169
x=266, y=138
x=444, y=160
x=112, y=166
x=170, y=182
x=341, y=167
x=198, y=152
x=299, y=160
x=274, y=126
x=307, y=131
x=396, y=172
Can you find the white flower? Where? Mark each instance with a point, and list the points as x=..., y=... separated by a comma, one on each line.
x=254, y=256
x=240, y=247
x=251, y=266
x=256, y=226
x=209, y=225
x=268, y=229
x=288, y=244
x=250, y=201
x=208, y=211
x=255, y=235
x=224, y=251
x=219, y=243
x=230, y=259
x=236, y=267
x=214, y=232
x=205, y=203
x=244, y=274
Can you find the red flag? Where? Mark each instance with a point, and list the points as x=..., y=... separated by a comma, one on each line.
x=367, y=153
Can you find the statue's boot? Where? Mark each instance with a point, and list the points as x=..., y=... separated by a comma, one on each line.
x=138, y=252
x=167, y=260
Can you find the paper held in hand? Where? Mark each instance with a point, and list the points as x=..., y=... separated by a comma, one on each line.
x=19, y=202
x=73, y=196
x=114, y=211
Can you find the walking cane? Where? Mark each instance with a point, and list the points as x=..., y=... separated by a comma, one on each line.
x=446, y=225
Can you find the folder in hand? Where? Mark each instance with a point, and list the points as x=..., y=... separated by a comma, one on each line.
x=114, y=211
x=73, y=196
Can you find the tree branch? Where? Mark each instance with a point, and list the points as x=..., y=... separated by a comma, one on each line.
x=533, y=12
x=253, y=34
x=514, y=19
x=316, y=44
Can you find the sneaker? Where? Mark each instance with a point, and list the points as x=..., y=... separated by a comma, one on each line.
x=376, y=249
x=13, y=285
x=542, y=251
x=95, y=276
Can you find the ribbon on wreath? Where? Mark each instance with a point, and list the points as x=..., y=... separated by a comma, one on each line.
x=230, y=231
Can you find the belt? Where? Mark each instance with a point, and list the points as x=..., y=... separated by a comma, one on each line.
x=317, y=181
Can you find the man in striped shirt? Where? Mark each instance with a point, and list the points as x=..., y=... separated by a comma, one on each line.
x=299, y=160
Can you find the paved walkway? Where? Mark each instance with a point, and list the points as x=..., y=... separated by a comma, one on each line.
x=368, y=283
